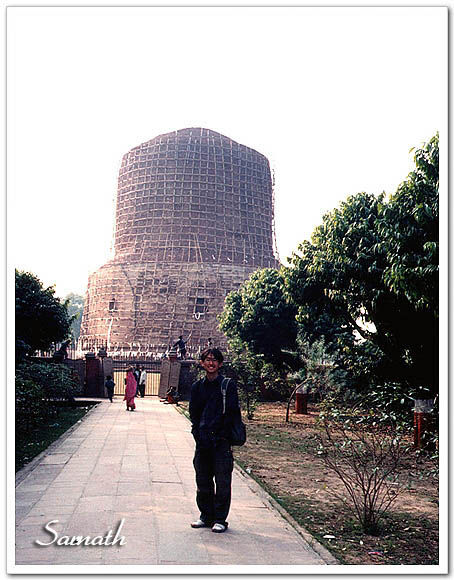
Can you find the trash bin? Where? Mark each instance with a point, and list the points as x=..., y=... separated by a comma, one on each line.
x=424, y=422
x=301, y=401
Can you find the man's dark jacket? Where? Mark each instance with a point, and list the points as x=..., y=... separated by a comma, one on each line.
x=209, y=425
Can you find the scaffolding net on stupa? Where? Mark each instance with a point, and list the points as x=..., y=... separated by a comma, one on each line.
x=194, y=218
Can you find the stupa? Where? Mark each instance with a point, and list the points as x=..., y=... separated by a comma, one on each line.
x=194, y=218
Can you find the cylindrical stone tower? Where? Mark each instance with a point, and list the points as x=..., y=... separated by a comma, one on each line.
x=194, y=218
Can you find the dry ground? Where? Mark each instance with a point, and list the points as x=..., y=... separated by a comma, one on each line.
x=283, y=458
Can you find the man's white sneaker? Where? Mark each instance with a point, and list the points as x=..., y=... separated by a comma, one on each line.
x=218, y=528
x=200, y=524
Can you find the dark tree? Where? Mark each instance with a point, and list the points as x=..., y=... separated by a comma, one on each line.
x=258, y=318
x=372, y=266
x=41, y=318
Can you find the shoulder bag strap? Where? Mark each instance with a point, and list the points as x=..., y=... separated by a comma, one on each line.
x=224, y=385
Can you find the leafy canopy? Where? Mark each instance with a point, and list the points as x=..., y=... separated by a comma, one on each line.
x=409, y=232
x=258, y=318
x=367, y=282
x=41, y=318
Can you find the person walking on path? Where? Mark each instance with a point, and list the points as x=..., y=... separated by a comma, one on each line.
x=131, y=387
x=213, y=459
x=110, y=385
x=142, y=382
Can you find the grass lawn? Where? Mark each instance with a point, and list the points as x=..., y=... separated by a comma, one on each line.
x=30, y=444
x=282, y=458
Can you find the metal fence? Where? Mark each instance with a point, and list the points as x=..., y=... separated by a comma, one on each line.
x=149, y=353
x=152, y=367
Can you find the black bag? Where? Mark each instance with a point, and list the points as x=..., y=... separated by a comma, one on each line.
x=237, y=427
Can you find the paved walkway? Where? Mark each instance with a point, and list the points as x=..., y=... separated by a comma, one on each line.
x=138, y=466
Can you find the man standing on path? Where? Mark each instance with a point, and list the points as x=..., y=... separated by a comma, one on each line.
x=142, y=382
x=136, y=374
x=213, y=459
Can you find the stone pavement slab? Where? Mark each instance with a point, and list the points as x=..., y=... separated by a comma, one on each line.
x=136, y=468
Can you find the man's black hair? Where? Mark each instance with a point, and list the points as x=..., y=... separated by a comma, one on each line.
x=215, y=352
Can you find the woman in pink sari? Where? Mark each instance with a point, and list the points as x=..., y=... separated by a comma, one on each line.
x=131, y=387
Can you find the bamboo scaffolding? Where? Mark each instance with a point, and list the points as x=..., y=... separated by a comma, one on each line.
x=194, y=218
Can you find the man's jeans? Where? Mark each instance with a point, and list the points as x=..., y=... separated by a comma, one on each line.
x=214, y=466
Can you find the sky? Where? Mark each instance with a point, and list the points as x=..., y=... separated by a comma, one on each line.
x=334, y=97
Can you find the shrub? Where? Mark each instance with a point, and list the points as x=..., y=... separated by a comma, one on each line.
x=31, y=404
x=57, y=380
x=38, y=385
x=367, y=459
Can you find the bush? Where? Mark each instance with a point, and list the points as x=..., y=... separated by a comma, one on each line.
x=57, y=380
x=367, y=459
x=31, y=404
x=38, y=386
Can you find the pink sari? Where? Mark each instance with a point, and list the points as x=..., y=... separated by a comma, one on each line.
x=130, y=393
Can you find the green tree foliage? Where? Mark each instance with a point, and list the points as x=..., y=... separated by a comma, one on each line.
x=75, y=310
x=258, y=319
x=409, y=229
x=335, y=281
x=349, y=281
x=41, y=318
x=409, y=233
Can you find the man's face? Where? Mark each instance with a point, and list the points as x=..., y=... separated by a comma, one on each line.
x=211, y=365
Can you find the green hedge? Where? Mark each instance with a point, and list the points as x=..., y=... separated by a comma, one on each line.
x=38, y=386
